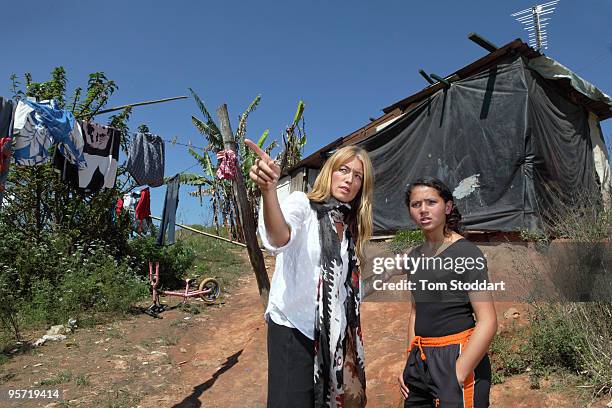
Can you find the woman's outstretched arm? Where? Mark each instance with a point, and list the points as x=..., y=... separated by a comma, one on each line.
x=265, y=173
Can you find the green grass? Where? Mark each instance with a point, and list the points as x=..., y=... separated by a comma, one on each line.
x=61, y=378
x=169, y=340
x=146, y=344
x=82, y=380
x=406, y=239
x=215, y=258
x=122, y=399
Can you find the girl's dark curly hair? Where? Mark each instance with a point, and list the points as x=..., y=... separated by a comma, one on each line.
x=453, y=220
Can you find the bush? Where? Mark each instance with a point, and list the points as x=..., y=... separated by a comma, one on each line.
x=554, y=341
x=509, y=354
x=174, y=260
x=576, y=335
x=87, y=282
x=406, y=239
x=8, y=303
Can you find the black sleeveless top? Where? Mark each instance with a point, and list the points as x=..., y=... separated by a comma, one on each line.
x=441, y=297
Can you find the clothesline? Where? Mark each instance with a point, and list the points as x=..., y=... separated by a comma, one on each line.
x=173, y=141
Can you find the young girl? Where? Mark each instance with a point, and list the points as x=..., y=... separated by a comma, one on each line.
x=447, y=363
x=315, y=350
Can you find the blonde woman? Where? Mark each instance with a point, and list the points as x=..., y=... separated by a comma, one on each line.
x=315, y=349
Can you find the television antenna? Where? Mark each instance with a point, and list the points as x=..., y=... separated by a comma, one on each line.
x=535, y=23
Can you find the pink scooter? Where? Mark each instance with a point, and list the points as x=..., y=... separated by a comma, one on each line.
x=209, y=290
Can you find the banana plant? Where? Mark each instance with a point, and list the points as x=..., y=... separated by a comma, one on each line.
x=294, y=140
x=220, y=191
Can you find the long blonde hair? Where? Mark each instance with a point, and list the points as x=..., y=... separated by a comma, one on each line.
x=360, y=218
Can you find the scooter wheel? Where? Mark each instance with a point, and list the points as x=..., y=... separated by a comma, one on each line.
x=214, y=288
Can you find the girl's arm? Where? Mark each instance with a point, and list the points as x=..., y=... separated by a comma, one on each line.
x=480, y=340
x=411, y=320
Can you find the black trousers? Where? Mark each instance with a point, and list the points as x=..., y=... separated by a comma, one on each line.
x=433, y=383
x=290, y=368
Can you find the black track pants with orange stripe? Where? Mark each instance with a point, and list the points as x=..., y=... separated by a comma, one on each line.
x=433, y=383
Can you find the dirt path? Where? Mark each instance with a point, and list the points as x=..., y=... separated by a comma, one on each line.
x=213, y=359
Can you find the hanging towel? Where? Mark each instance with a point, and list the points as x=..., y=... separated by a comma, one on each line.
x=101, y=153
x=146, y=160
x=169, y=214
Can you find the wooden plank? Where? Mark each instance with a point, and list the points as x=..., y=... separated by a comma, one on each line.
x=483, y=42
x=244, y=210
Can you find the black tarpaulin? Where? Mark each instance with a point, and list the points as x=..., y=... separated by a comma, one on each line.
x=505, y=141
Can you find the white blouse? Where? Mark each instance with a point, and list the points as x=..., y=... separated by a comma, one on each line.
x=293, y=292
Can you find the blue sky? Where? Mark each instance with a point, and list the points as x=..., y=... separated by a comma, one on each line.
x=346, y=60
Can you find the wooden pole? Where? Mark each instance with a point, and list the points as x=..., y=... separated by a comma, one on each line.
x=204, y=233
x=139, y=104
x=483, y=42
x=244, y=211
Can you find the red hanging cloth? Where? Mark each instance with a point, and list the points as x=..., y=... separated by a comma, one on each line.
x=143, y=208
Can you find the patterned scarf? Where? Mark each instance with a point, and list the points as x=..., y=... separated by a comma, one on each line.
x=339, y=370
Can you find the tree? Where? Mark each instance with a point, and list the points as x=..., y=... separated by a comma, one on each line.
x=36, y=200
x=223, y=202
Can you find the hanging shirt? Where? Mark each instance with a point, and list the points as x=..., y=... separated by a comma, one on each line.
x=146, y=160
x=101, y=153
x=293, y=292
x=128, y=201
x=32, y=139
x=143, y=209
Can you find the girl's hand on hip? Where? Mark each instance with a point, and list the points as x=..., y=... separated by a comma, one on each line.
x=403, y=388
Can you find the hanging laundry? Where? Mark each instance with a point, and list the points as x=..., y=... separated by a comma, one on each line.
x=227, y=166
x=146, y=160
x=6, y=151
x=32, y=139
x=6, y=117
x=169, y=214
x=119, y=206
x=6, y=146
x=36, y=126
x=63, y=129
x=130, y=200
x=143, y=209
x=101, y=153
